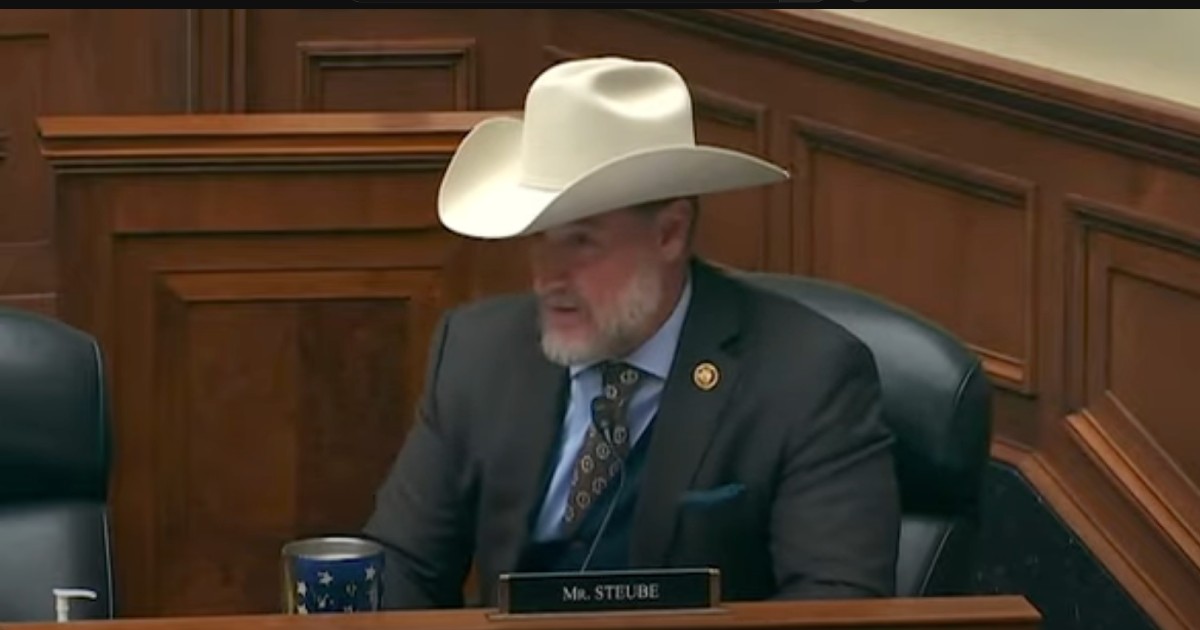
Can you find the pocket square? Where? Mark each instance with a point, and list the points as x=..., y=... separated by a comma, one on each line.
x=712, y=496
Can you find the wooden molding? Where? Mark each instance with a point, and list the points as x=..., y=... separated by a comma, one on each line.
x=1084, y=111
x=1058, y=492
x=1112, y=243
x=139, y=142
x=216, y=83
x=1127, y=477
x=1159, y=230
x=457, y=56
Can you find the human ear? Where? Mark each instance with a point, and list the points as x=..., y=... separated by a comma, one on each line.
x=673, y=224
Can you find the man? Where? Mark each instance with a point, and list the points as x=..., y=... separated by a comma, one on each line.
x=640, y=408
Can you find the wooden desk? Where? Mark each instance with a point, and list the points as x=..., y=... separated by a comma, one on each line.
x=974, y=613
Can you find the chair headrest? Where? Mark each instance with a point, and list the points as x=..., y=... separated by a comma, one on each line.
x=53, y=410
x=936, y=396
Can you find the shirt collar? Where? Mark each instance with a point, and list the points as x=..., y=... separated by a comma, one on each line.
x=656, y=354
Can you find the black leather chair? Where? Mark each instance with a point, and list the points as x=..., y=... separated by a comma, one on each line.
x=54, y=466
x=937, y=401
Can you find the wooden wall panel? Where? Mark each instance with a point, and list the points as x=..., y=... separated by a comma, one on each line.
x=308, y=370
x=876, y=207
x=25, y=66
x=267, y=336
x=62, y=61
x=258, y=60
x=1050, y=223
x=1136, y=315
x=734, y=226
x=387, y=75
x=26, y=272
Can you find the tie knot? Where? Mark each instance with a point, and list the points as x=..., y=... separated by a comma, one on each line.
x=619, y=380
x=620, y=374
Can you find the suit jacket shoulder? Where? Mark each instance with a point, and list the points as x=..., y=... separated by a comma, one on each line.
x=485, y=335
x=487, y=348
x=489, y=324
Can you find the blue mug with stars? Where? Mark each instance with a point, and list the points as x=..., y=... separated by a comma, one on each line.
x=332, y=574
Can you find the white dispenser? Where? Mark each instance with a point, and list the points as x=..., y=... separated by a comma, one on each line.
x=62, y=601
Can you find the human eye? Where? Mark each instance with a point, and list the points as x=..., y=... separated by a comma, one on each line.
x=583, y=240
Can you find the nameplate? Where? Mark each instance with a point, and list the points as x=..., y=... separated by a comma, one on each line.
x=609, y=591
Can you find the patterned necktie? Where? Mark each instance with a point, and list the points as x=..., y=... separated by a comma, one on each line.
x=596, y=464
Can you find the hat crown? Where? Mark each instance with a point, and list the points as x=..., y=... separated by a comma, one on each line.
x=582, y=114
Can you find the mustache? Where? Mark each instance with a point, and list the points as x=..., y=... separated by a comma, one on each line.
x=559, y=298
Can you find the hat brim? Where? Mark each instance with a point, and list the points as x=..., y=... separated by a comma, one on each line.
x=482, y=196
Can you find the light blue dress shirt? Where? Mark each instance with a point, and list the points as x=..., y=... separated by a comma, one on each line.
x=654, y=357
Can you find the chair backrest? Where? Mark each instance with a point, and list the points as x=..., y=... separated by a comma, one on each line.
x=54, y=467
x=936, y=400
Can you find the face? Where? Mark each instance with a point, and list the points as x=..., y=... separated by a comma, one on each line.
x=601, y=282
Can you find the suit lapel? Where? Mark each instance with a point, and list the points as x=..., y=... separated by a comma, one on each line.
x=688, y=414
x=532, y=417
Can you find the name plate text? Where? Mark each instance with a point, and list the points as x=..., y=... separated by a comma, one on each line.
x=609, y=591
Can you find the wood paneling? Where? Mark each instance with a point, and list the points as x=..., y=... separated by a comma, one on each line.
x=734, y=226
x=1050, y=223
x=259, y=60
x=389, y=75
x=1137, y=305
x=319, y=392
x=267, y=335
x=873, y=207
x=61, y=61
x=26, y=273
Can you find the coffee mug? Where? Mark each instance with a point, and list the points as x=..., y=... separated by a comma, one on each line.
x=332, y=574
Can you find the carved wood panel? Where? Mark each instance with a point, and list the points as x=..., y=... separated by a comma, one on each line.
x=312, y=371
x=308, y=354
x=361, y=59
x=388, y=75
x=734, y=227
x=952, y=240
x=1136, y=311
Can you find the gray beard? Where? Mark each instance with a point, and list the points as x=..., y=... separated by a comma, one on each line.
x=617, y=328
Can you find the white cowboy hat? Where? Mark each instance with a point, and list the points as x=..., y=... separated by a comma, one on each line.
x=598, y=134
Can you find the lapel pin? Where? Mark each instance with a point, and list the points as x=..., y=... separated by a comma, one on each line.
x=705, y=376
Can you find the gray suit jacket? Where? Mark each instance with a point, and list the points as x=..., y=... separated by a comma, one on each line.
x=804, y=501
